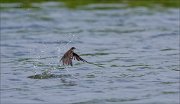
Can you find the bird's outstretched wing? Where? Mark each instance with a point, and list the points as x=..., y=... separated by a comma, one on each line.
x=77, y=57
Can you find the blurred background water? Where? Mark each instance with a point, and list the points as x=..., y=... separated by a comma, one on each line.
x=135, y=49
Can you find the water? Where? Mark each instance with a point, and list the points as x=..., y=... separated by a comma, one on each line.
x=134, y=50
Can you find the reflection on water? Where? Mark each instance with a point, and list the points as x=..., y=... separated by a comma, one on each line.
x=132, y=53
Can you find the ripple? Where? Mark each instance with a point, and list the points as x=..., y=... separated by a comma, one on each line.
x=167, y=49
x=12, y=46
x=90, y=76
x=137, y=65
x=169, y=92
x=48, y=76
x=68, y=83
x=163, y=35
x=121, y=100
x=168, y=83
x=95, y=54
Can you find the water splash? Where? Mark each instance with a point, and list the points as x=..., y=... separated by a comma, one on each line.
x=50, y=66
x=72, y=38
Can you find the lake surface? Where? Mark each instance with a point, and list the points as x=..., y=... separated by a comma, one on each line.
x=134, y=51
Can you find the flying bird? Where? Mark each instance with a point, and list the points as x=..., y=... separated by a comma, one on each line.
x=69, y=56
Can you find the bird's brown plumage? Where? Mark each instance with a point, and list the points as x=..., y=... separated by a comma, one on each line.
x=69, y=56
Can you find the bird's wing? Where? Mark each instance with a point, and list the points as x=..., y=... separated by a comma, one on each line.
x=77, y=57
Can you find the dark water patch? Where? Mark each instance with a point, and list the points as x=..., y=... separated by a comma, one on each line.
x=90, y=81
x=152, y=72
x=131, y=69
x=145, y=67
x=169, y=83
x=123, y=75
x=121, y=100
x=176, y=69
x=114, y=65
x=132, y=87
x=14, y=79
x=46, y=18
x=68, y=83
x=169, y=92
x=11, y=27
x=128, y=60
x=48, y=76
x=115, y=30
x=38, y=99
x=94, y=101
x=24, y=59
x=140, y=75
x=168, y=49
x=36, y=26
x=90, y=76
x=112, y=60
x=95, y=54
x=173, y=54
x=22, y=29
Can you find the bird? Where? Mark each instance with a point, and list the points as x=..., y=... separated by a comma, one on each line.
x=69, y=56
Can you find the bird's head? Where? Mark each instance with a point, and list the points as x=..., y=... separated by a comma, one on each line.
x=73, y=48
